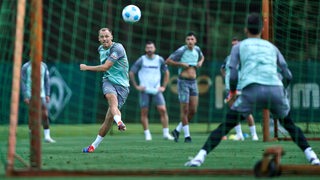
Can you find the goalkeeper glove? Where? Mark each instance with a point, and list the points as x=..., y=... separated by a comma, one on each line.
x=231, y=98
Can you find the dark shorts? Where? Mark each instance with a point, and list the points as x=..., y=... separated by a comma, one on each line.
x=120, y=91
x=187, y=88
x=256, y=97
x=146, y=99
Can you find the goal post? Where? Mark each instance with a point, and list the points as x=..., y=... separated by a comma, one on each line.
x=270, y=13
x=267, y=35
x=17, y=60
x=35, y=103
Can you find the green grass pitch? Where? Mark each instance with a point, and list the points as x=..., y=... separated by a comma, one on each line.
x=129, y=150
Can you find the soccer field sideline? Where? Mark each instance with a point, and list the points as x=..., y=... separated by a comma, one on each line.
x=73, y=138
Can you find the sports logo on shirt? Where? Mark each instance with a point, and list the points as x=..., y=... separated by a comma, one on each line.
x=114, y=55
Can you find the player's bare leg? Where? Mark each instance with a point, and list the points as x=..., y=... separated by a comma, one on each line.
x=184, y=113
x=45, y=124
x=192, y=109
x=252, y=127
x=106, y=125
x=113, y=113
x=165, y=121
x=184, y=109
x=193, y=106
x=145, y=124
x=188, y=110
x=104, y=129
x=113, y=106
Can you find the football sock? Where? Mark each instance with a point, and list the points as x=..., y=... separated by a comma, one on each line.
x=310, y=154
x=165, y=131
x=117, y=118
x=179, y=127
x=186, y=131
x=201, y=155
x=238, y=130
x=253, y=130
x=96, y=142
x=46, y=133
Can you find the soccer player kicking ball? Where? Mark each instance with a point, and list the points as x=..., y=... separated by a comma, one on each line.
x=225, y=71
x=262, y=88
x=188, y=58
x=114, y=63
x=149, y=68
x=45, y=94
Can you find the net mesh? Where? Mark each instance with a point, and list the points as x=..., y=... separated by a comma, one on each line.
x=71, y=37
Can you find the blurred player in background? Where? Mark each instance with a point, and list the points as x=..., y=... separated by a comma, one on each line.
x=225, y=71
x=188, y=58
x=262, y=89
x=45, y=94
x=114, y=64
x=149, y=68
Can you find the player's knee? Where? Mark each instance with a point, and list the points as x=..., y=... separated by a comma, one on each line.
x=144, y=112
x=112, y=98
x=192, y=111
x=45, y=115
x=185, y=110
x=162, y=110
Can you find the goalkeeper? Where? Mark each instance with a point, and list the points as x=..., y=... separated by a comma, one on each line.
x=225, y=71
x=262, y=88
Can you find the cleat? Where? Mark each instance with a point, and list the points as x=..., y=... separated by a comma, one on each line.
x=315, y=161
x=175, y=135
x=121, y=126
x=49, y=140
x=168, y=137
x=255, y=138
x=239, y=138
x=88, y=149
x=193, y=163
x=148, y=137
x=187, y=140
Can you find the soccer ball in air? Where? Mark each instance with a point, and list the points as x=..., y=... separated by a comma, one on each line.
x=131, y=14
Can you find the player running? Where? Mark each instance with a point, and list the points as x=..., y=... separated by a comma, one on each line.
x=188, y=58
x=149, y=68
x=45, y=94
x=226, y=73
x=114, y=64
x=262, y=88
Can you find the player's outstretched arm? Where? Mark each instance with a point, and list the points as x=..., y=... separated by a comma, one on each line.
x=103, y=67
x=285, y=72
x=233, y=66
